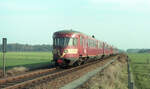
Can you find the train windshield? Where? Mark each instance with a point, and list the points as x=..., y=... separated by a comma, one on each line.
x=65, y=41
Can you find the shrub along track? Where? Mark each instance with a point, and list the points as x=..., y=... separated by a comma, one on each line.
x=39, y=79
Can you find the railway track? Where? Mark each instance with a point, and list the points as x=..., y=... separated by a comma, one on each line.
x=30, y=79
x=10, y=81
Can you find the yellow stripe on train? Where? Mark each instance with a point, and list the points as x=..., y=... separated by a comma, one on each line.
x=72, y=51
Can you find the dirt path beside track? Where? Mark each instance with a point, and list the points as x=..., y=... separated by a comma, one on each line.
x=113, y=77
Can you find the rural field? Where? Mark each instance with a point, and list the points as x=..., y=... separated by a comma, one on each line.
x=26, y=59
x=140, y=64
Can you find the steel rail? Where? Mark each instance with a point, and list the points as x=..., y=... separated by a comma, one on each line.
x=8, y=80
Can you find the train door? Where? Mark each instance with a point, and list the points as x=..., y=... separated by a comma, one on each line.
x=85, y=47
x=81, y=46
x=103, y=48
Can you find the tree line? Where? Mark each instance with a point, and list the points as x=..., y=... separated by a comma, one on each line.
x=15, y=47
x=138, y=50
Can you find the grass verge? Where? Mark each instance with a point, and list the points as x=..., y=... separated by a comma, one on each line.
x=140, y=65
x=26, y=59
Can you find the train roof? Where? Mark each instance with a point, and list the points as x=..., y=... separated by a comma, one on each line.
x=68, y=31
x=74, y=32
x=77, y=32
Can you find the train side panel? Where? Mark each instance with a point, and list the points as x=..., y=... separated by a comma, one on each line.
x=79, y=47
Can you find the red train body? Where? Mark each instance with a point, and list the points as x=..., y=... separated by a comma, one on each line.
x=74, y=48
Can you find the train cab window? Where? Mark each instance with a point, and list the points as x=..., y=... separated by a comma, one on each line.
x=74, y=41
x=70, y=43
x=56, y=41
x=65, y=41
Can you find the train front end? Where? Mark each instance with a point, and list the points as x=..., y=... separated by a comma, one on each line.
x=65, y=50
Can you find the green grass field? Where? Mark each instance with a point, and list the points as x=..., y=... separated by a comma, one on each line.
x=140, y=64
x=27, y=59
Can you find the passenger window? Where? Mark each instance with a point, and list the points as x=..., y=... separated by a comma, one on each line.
x=88, y=43
x=101, y=45
x=81, y=40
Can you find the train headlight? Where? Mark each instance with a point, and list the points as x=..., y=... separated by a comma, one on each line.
x=65, y=51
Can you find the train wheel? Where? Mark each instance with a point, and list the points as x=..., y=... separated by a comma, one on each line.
x=102, y=57
x=56, y=64
x=83, y=62
x=77, y=63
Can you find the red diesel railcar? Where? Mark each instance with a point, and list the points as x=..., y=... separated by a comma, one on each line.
x=74, y=48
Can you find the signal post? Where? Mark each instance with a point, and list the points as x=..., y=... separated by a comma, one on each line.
x=4, y=44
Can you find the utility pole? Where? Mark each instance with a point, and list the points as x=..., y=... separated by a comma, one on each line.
x=4, y=51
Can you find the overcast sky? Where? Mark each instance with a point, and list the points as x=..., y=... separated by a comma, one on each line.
x=122, y=23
